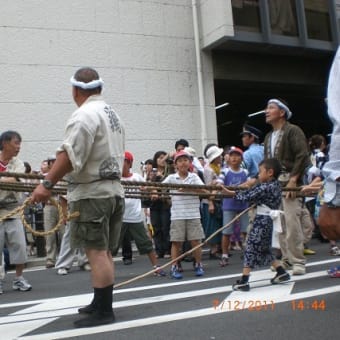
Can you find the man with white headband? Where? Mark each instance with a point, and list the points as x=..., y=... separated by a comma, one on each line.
x=287, y=143
x=92, y=155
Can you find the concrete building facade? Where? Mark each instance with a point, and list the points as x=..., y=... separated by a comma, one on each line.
x=143, y=49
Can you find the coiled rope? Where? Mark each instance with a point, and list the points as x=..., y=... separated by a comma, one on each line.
x=20, y=211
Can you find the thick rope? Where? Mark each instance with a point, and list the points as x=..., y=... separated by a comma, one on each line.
x=27, y=202
x=135, y=193
x=156, y=185
x=139, y=277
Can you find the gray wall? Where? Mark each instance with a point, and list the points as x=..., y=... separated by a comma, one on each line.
x=144, y=50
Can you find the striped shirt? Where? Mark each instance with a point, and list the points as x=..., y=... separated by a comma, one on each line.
x=184, y=207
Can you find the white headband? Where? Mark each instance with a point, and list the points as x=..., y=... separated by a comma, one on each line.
x=281, y=106
x=87, y=86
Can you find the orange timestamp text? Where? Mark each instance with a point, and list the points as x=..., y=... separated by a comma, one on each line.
x=302, y=305
x=250, y=305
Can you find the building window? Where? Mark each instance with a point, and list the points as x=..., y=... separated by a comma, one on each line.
x=283, y=20
x=317, y=19
x=246, y=14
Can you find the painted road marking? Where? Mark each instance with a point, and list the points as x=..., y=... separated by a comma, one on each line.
x=48, y=310
x=266, y=273
x=165, y=318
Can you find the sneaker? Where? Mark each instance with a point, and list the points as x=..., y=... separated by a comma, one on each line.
x=335, y=251
x=287, y=265
x=187, y=258
x=62, y=271
x=175, y=274
x=1, y=288
x=49, y=264
x=334, y=269
x=159, y=272
x=20, y=283
x=127, y=261
x=199, y=270
x=334, y=272
x=179, y=267
x=214, y=256
x=280, y=278
x=299, y=270
x=224, y=261
x=86, y=267
x=308, y=251
x=242, y=286
x=194, y=264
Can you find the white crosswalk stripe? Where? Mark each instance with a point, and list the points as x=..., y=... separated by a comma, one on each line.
x=35, y=314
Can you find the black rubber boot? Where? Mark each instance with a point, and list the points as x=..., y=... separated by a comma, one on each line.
x=91, y=308
x=103, y=312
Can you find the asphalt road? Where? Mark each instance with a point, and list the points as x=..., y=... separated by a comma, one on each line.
x=308, y=307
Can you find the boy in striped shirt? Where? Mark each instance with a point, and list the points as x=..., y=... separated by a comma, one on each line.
x=185, y=214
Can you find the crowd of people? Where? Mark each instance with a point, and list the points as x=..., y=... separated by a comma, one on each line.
x=165, y=223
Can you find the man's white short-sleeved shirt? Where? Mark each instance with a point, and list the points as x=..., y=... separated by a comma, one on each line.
x=94, y=141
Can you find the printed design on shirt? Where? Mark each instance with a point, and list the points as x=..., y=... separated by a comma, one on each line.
x=6, y=197
x=110, y=169
x=113, y=118
x=71, y=186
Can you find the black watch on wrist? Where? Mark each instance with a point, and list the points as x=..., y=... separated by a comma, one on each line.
x=47, y=184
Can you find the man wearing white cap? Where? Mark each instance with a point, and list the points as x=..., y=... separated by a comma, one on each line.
x=287, y=143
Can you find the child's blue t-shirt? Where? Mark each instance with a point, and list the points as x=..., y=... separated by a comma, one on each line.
x=233, y=178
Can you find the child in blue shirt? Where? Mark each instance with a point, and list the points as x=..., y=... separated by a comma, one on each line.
x=234, y=175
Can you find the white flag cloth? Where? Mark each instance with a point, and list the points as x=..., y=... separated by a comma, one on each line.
x=331, y=169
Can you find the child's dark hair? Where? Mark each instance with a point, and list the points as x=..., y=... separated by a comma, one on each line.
x=274, y=164
x=28, y=168
x=156, y=156
x=316, y=141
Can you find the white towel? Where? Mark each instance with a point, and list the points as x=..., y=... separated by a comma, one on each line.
x=275, y=216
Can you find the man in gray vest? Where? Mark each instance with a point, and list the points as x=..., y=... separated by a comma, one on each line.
x=287, y=143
